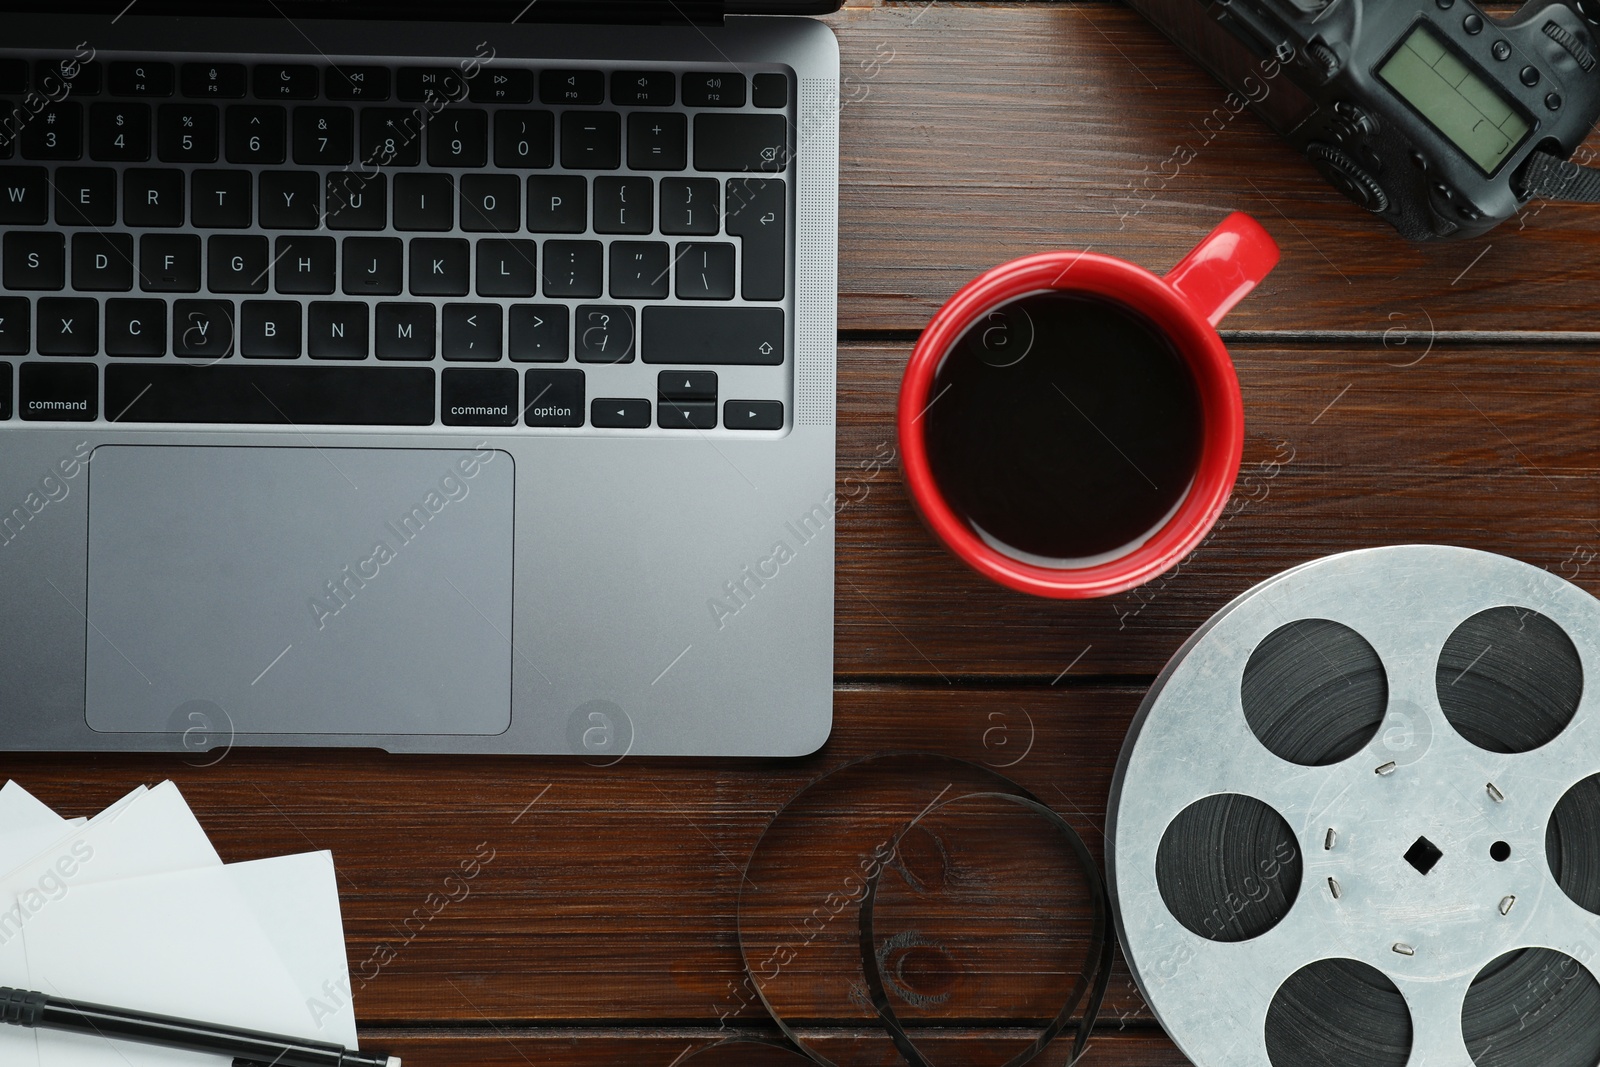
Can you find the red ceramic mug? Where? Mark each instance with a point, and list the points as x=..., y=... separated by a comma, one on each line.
x=1184, y=307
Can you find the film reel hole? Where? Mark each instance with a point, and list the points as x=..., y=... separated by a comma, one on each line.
x=1228, y=868
x=1314, y=692
x=1532, y=1006
x=1499, y=851
x=1423, y=854
x=1509, y=679
x=1572, y=844
x=1337, y=1012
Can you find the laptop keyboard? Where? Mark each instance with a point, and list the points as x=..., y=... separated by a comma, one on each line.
x=354, y=243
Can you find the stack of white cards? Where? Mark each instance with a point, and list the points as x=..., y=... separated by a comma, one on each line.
x=134, y=909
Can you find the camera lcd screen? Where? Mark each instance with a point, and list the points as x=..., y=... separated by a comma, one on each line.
x=1475, y=116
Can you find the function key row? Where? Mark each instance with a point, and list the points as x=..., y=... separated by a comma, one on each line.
x=487, y=83
x=324, y=396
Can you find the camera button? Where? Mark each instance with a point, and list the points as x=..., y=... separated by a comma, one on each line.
x=1530, y=76
x=1501, y=50
x=1473, y=24
x=1553, y=101
x=1445, y=5
x=1471, y=214
x=1444, y=190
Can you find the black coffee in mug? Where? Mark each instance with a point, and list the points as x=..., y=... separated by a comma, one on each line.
x=1064, y=427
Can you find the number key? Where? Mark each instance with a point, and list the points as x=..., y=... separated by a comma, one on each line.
x=524, y=139
x=56, y=132
x=458, y=138
x=390, y=137
x=256, y=134
x=187, y=133
x=324, y=136
x=119, y=132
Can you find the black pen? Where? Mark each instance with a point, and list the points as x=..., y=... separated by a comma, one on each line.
x=249, y=1048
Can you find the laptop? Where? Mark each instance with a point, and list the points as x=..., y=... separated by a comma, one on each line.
x=424, y=377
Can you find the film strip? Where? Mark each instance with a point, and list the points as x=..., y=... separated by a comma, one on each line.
x=1357, y=820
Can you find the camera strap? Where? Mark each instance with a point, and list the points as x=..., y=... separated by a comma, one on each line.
x=1549, y=177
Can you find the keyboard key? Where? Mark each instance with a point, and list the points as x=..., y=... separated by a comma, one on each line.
x=119, y=133
x=237, y=264
x=591, y=140
x=256, y=134
x=68, y=326
x=417, y=84
x=758, y=212
x=714, y=89
x=136, y=327
x=390, y=137
x=35, y=261
x=572, y=268
x=472, y=332
x=201, y=329
x=686, y=415
x=643, y=88
x=581, y=87
x=214, y=81
x=604, y=333
x=272, y=396
x=705, y=271
x=290, y=199
x=658, y=141
x=169, y=263
x=286, y=81
x=494, y=86
x=16, y=327
x=58, y=392
x=439, y=266
x=558, y=203
x=687, y=385
x=539, y=333
x=5, y=391
x=424, y=202
x=57, y=78
x=13, y=76
x=458, y=137
x=624, y=205
x=491, y=203
x=640, y=270
x=337, y=330
x=405, y=331
x=620, y=414
x=753, y=414
x=769, y=90
x=713, y=336
x=554, y=398
x=55, y=132
x=304, y=265
x=357, y=201
x=507, y=268
x=741, y=142
x=24, y=196
x=220, y=199
x=478, y=397
x=187, y=133
x=373, y=266
x=102, y=262
x=269, y=329
x=357, y=83
x=690, y=206
x=142, y=78
x=524, y=139
x=152, y=197
x=86, y=196
x=324, y=136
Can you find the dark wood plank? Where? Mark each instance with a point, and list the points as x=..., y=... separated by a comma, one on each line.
x=973, y=134
x=1486, y=446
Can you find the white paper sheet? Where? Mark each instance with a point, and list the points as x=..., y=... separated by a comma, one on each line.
x=21, y=810
x=258, y=945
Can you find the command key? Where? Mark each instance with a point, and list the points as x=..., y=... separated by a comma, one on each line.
x=59, y=392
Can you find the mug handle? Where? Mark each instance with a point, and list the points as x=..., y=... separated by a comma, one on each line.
x=1224, y=267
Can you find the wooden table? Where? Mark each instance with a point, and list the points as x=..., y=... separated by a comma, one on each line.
x=1394, y=393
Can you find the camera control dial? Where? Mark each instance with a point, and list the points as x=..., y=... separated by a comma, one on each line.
x=1349, y=177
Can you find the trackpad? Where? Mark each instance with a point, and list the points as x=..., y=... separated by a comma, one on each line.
x=300, y=590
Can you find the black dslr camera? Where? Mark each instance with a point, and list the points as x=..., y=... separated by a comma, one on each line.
x=1430, y=113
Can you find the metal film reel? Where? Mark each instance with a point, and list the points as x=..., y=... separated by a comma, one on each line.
x=1357, y=820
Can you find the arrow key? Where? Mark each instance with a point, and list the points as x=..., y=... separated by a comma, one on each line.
x=753, y=415
x=620, y=414
x=688, y=386
x=686, y=415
